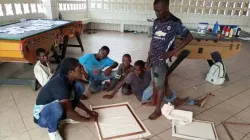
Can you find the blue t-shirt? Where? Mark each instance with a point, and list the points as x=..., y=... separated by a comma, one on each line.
x=164, y=33
x=91, y=64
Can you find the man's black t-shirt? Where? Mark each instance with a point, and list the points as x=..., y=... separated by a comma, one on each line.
x=58, y=88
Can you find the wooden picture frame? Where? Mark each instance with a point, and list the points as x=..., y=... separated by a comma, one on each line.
x=119, y=122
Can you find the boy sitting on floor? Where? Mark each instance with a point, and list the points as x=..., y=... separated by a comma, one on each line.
x=43, y=73
x=42, y=69
x=95, y=64
x=140, y=81
x=123, y=70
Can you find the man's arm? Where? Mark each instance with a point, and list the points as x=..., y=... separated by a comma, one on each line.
x=70, y=113
x=184, y=43
x=181, y=30
x=114, y=65
x=85, y=74
x=118, y=86
x=109, y=70
x=147, y=65
x=83, y=107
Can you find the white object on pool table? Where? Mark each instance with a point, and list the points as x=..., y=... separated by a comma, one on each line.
x=197, y=130
x=119, y=122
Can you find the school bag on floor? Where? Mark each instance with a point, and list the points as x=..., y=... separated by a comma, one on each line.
x=216, y=74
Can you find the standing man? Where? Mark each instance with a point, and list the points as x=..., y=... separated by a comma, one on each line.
x=55, y=102
x=94, y=64
x=166, y=27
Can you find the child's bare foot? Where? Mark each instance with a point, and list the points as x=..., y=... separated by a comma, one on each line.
x=203, y=101
x=180, y=102
x=151, y=103
x=155, y=115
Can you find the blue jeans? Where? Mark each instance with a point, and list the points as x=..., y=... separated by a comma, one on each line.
x=51, y=116
x=79, y=88
x=96, y=85
x=79, y=91
x=148, y=93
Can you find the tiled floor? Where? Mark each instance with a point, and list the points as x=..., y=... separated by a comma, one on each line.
x=231, y=101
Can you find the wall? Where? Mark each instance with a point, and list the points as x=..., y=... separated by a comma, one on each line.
x=129, y=14
x=136, y=12
x=50, y=9
x=11, y=11
x=73, y=9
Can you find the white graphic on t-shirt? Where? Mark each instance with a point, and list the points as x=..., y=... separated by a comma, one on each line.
x=169, y=28
x=184, y=27
x=160, y=33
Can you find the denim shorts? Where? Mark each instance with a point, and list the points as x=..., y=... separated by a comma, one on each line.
x=158, y=74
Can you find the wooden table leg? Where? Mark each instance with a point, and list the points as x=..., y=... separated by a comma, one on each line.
x=179, y=59
x=78, y=37
x=65, y=45
x=55, y=55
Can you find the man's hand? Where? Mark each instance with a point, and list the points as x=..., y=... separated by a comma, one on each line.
x=108, y=71
x=96, y=72
x=94, y=114
x=85, y=77
x=92, y=119
x=167, y=55
x=147, y=65
x=108, y=96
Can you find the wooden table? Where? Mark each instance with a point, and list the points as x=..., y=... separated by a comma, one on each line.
x=208, y=47
x=21, y=48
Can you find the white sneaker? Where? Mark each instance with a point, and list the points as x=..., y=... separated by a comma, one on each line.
x=55, y=136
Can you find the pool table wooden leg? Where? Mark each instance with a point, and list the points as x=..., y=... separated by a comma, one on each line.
x=55, y=55
x=78, y=37
x=64, y=46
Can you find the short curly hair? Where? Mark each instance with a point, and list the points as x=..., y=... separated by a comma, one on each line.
x=162, y=1
x=140, y=63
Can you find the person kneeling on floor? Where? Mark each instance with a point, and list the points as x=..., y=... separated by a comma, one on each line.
x=140, y=81
x=55, y=102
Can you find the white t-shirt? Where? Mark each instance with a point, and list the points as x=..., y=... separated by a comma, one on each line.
x=42, y=73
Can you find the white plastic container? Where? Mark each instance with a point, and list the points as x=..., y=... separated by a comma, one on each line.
x=202, y=27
